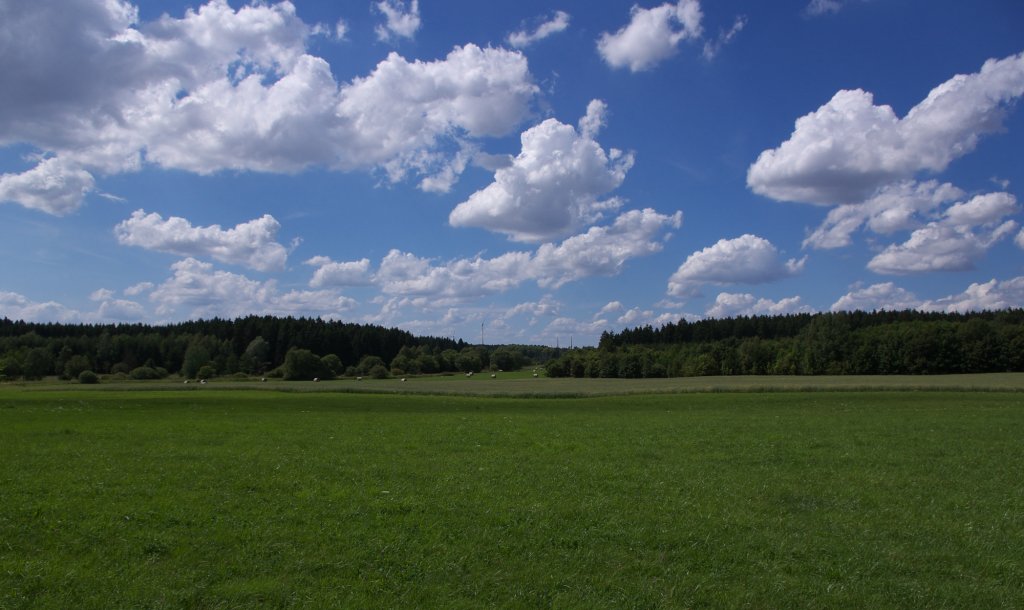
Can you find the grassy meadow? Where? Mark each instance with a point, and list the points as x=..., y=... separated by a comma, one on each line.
x=226, y=497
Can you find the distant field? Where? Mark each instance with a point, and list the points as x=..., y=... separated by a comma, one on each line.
x=522, y=383
x=259, y=498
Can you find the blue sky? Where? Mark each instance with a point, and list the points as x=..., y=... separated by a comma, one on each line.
x=547, y=169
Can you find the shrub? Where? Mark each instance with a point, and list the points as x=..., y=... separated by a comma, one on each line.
x=304, y=364
x=121, y=367
x=206, y=371
x=144, y=372
x=75, y=365
x=88, y=377
x=332, y=363
x=378, y=372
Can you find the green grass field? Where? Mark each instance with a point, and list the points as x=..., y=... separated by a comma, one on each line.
x=234, y=498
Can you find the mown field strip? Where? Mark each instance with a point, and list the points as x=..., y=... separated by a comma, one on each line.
x=522, y=383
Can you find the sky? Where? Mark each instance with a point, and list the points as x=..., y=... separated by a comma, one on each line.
x=533, y=172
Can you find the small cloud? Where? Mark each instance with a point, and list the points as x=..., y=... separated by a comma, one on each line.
x=340, y=30
x=712, y=47
x=823, y=7
x=138, y=289
x=651, y=36
x=334, y=274
x=251, y=244
x=402, y=20
x=522, y=39
x=1002, y=183
x=611, y=307
x=111, y=197
x=747, y=259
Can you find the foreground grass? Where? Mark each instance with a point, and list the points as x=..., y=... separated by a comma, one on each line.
x=238, y=499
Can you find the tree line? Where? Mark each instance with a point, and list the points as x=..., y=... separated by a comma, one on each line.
x=292, y=348
x=839, y=343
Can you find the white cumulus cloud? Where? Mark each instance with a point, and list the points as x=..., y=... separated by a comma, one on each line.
x=729, y=304
x=893, y=208
x=747, y=259
x=992, y=295
x=877, y=297
x=53, y=186
x=14, y=306
x=121, y=310
x=403, y=19
x=338, y=274
x=522, y=39
x=600, y=251
x=962, y=236
x=555, y=185
x=251, y=244
x=652, y=35
x=197, y=290
x=939, y=247
x=610, y=307
x=96, y=92
x=850, y=147
x=603, y=250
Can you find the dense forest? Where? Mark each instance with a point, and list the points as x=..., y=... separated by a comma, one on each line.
x=863, y=343
x=884, y=342
x=299, y=348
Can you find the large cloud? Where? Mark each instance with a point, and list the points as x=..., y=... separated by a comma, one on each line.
x=197, y=290
x=877, y=297
x=731, y=304
x=251, y=244
x=219, y=89
x=848, y=148
x=652, y=35
x=747, y=259
x=53, y=186
x=893, y=208
x=15, y=306
x=553, y=186
x=603, y=250
x=992, y=295
x=962, y=236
